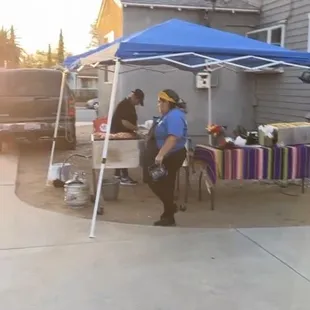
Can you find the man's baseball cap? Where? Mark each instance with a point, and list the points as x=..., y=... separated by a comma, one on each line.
x=140, y=95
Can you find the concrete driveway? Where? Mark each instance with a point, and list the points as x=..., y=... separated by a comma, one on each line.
x=48, y=262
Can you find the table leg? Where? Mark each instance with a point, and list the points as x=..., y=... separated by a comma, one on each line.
x=177, y=186
x=212, y=200
x=210, y=188
x=93, y=197
x=186, y=184
x=94, y=182
x=303, y=185
x=199, y=188
x=178, y=181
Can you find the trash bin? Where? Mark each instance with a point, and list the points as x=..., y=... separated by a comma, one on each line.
x=110, y=189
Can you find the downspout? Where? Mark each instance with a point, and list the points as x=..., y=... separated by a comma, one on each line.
x=213, y=9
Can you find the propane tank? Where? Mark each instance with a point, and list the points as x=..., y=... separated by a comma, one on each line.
x=77, y=191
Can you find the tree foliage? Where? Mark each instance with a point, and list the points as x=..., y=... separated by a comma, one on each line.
x=39, y=59
x=10, y=51
x=94, y=35
x=49, y=57
x=42, y=59
x=13, y=56
x=61, y=49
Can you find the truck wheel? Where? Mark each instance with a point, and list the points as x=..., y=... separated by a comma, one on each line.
x=66, y=145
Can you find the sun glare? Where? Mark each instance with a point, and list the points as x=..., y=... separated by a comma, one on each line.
x=38, y=22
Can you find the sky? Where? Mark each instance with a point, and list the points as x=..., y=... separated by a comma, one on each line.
x=38, y=22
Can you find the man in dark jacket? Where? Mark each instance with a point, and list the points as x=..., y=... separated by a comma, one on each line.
x=125, y=120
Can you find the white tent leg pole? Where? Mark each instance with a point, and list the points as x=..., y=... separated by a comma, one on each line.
x=210, y=107
x=61, y=95
x=105, y=148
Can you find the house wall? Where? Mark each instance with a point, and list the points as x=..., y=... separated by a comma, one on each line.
x=83, y=93
x=72, y=80
x=110, y=20
x=232, y=98
x=283, y=97
x=87, y=83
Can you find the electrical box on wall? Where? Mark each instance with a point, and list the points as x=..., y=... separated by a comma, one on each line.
x=203, y=80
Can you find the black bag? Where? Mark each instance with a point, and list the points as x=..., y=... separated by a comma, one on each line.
x=305, y=77
x=150, y=153
x=157, y=172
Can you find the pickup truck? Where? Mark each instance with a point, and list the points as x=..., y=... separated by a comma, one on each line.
x=28, y=106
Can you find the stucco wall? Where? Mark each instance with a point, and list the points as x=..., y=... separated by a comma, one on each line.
x=110, y=20
x=233, y=98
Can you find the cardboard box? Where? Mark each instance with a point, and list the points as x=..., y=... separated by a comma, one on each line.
x=288, y=134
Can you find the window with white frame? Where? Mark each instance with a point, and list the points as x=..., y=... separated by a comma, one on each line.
x=273, y=35
x=109, y=37
x=86, y=83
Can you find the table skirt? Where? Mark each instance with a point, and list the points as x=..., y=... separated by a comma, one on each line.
x=255, y=163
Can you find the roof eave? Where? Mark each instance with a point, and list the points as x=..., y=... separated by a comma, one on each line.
x=185, y=7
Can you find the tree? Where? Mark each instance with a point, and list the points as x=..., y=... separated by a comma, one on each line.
x=29, y=61
x=3, y=47
x=36, y=60
x=49, y=56
x=10, y=51
x=94, y=35
x=61, y=49
x=40, y=59
x=14, y=50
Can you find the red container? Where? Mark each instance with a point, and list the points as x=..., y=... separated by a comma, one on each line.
x=100, y=124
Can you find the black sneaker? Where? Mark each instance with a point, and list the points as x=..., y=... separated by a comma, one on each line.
x=128, y=182
x=166, y=222
x=118, y=177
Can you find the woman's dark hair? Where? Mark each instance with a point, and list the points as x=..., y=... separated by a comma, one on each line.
x=182, y=105
x=172, y=94
x=179, y=103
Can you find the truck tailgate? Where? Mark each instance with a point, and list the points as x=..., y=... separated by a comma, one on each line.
x=17, y=109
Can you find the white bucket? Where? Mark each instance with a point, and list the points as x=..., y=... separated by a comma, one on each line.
x=54, y=171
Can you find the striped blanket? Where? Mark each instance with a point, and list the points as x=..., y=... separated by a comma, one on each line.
x=261, y=163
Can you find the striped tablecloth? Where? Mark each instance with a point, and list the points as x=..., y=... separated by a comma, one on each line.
x=251, y=163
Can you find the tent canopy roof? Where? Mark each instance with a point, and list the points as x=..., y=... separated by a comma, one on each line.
x=182, y=42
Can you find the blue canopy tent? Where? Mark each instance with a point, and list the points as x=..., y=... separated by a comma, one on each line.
x=190, y=46
x=186, y=46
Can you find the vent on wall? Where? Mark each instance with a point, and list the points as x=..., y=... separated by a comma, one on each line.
x=203, y=80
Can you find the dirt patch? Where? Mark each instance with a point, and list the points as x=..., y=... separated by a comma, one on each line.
x=237, y=205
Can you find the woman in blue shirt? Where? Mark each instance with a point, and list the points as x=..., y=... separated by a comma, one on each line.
x=166, y=146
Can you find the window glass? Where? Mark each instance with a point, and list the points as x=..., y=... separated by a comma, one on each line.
x=260, y=36
x=30, y=83
x=86, y=83
x=269, y=35
x=276, y=36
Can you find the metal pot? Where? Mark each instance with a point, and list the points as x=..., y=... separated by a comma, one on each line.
x=76, y=191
